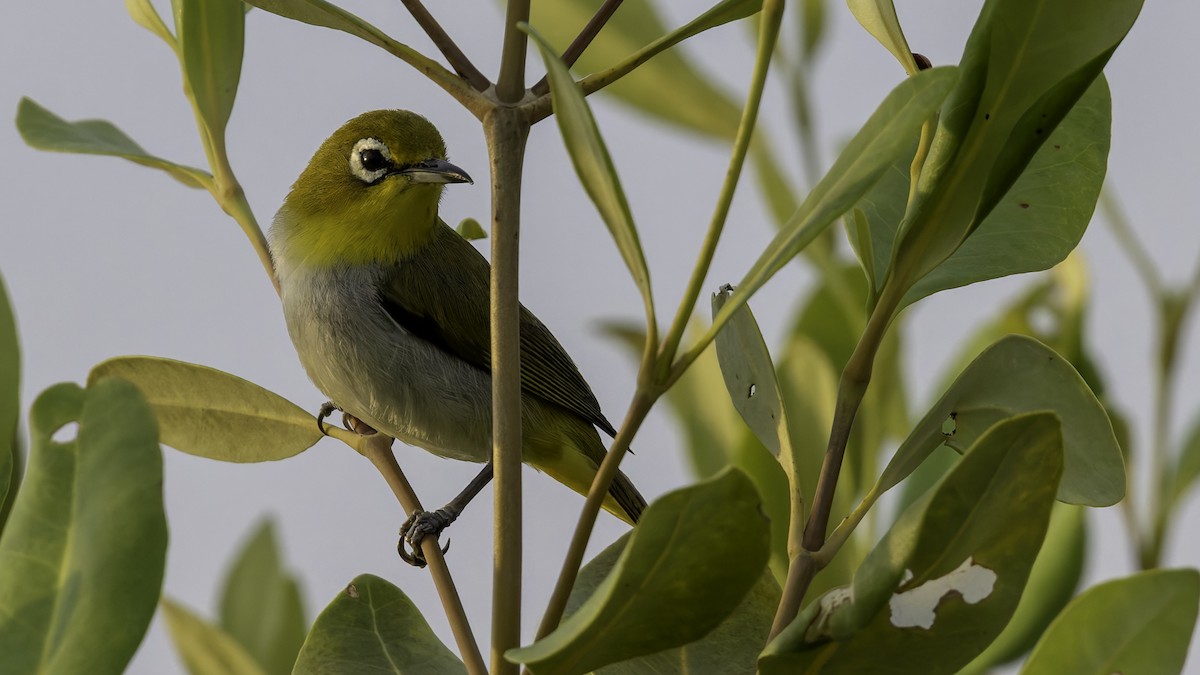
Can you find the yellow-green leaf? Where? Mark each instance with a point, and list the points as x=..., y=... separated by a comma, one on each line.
x=204, y=648
x=44, y=130
x=203, y=411
x=879, y=18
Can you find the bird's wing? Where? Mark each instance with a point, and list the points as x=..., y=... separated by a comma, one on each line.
x=441, y=295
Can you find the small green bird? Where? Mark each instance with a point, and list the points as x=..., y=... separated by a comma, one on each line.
x=388, y=309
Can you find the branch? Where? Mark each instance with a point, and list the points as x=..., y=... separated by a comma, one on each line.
x=510, y=86
x=581, y=42
x=377, y=447
x=457, y=59
x=772, y=16
x=506, y=130
x=639, y=407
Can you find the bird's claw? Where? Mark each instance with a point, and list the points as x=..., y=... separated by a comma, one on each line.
x=325, y=411
x=419, y=525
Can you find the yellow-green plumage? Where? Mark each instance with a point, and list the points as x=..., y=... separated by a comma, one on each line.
x=388, y=309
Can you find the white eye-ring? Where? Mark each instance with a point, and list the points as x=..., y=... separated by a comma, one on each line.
x=370, y=160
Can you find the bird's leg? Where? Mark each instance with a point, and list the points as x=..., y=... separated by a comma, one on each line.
x=423, y=524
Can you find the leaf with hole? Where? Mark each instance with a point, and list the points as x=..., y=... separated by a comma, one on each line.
x=82, y=557
x=44, y=130
x=372, y=626
x=946, y=578
x=1017, y=375
x=1052, y=582
x=205, y=412
x=692, y=559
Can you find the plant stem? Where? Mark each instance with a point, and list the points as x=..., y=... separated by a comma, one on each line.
x=378, y=448
x=1119, y=224
x=772, y=16
x=510, y=85
x=506, y=130
x=800, y=575
x=581, y=42
x=639, y=407
x=852, y=387
x=446, y=45
x=232, y=199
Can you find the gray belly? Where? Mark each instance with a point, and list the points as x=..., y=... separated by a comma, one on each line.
x=375, y=370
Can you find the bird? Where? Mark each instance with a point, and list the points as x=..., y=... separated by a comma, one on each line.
x=388, y=309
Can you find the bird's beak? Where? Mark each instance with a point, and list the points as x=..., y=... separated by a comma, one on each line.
x=436, y=171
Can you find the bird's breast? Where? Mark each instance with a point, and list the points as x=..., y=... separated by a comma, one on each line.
x=374, y=369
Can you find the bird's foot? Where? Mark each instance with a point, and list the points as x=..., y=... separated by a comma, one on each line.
x=419, y=525
x=350, y=422
x=324, y=412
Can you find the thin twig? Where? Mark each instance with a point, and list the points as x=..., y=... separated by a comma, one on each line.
x=378, y=448
x=1141, y=259
x=772, y=14
x=510, y=85
x=506, y=130
x=639, y=407
x=581, y=42
x=454, y=56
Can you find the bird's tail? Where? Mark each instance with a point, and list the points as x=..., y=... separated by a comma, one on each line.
x=627, y=498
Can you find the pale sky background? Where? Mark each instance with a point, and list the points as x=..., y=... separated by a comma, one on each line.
x=104, y=258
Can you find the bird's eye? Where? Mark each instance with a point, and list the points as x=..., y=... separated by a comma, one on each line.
x=370, y=160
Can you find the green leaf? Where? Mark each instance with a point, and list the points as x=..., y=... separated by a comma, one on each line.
x=594, y=166
x=44, y=130
x=211, y=41
x=204, y=648
x=326, y=15
x=668, y=86
x=1052, y=582
x=946, y=578
x=81, y=561
x=1188, y=468
x=371, y=626
x=144, y=14
x=470, y=229
x=10, y=397
x=1025, y=65
x=1044, y=215
x=888, y=132
x=749, y=375
x=879, y=18
x=261, y=606
x=1016, y=375
x=205, y=412
x=732, y=647
x=692, y=558
x=1139, y=624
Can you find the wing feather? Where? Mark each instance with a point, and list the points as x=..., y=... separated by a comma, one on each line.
x=417, y=294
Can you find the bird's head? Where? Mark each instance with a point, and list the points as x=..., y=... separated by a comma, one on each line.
x=369, y=193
